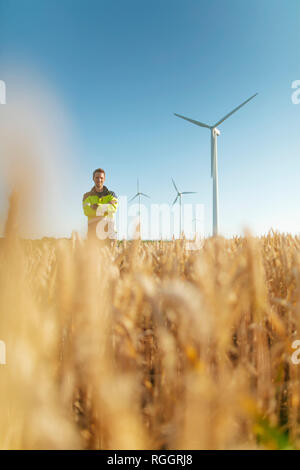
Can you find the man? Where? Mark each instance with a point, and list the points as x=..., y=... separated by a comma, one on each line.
x=100, y=205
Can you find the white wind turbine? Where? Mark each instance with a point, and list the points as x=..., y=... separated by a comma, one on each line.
x=214, y=159
x=179, y=194
x=139, y=194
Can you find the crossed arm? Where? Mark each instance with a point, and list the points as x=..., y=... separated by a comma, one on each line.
x=95, y=206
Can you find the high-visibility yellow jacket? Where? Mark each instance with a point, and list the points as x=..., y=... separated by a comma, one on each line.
x=107, y=203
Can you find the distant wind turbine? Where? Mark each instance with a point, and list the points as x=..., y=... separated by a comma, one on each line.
x=139, y=194
x=214, y=158
x=179, y=194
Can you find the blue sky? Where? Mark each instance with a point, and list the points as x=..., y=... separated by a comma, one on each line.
x=118, y=69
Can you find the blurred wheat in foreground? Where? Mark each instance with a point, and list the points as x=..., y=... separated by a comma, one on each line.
x=140, y=345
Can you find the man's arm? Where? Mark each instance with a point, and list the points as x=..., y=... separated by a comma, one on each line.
x=113, y=202
x=88, y=208
x=110, y=203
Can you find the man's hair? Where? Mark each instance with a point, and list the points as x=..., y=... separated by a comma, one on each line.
x=99, y=170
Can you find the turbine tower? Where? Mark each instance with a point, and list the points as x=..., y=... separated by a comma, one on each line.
x=139, y=194
x=179, y=194
x=214, y=158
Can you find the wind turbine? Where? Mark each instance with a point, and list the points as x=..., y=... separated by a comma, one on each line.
x=179, y=194
x=214, y=158
x=139, y=194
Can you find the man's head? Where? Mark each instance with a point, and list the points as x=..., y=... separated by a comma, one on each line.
x=99, y=178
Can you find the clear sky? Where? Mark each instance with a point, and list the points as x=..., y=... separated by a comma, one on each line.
x=117, y=70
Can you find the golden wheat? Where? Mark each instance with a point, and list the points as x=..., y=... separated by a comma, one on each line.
x=140, y=345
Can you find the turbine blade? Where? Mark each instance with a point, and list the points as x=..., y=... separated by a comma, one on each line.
x=133, y=198
x=198, y=123
x=189, y=192
x=146, y=195
x=137, y=186
x=176, y=189
x=175, y=200
x=234, y=110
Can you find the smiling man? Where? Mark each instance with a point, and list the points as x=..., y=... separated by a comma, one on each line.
x=100, y=205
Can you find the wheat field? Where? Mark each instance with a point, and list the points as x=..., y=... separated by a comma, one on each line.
x=135, y=345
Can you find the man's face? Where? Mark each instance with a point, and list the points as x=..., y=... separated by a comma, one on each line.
x=99, y=179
